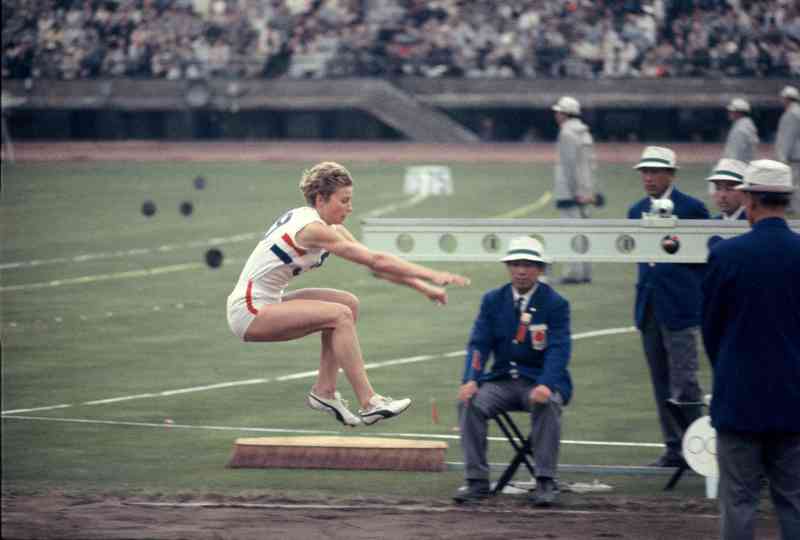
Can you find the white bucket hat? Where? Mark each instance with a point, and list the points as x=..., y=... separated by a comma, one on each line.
x=525, y=248
x=728, y=170
x=739, y=105
x=568, y=105
x=657, y=157
x=790, y=92
x=767, y=175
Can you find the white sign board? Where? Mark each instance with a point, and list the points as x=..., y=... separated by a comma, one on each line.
x=428, y=180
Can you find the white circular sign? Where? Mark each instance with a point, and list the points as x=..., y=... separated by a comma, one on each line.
x=700, y=447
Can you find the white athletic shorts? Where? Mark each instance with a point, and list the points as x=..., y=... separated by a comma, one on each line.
x=242, y=311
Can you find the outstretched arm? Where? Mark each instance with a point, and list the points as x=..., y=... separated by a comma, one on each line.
x=340, y=242
x=435, y=294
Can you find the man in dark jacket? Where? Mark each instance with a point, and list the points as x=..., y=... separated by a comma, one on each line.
x=667, y=310
x=751, y=332
x=524, y=326
x=727, y=175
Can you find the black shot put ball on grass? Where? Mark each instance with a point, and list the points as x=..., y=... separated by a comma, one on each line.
x=186, y=208
x=148, y=208
x=199, y=182
x=214, y=258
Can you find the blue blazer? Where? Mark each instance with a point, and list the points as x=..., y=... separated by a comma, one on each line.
x=674, y=288
x=751, y=329
x=493, y=335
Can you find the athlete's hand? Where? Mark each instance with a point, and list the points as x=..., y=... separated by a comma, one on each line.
x=433, y=293
x=437, y=295
x=446, y=278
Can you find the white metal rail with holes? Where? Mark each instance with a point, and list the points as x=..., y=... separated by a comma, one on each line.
x=651, y=239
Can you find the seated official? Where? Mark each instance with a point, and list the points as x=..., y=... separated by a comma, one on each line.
x=524, y=326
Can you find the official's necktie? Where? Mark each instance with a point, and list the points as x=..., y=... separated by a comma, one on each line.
x=524, y=319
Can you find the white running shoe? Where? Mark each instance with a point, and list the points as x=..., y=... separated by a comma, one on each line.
x=336, y=406
x=381, y=407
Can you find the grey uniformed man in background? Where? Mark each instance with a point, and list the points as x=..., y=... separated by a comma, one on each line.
x=574, y=188
x=787, y=140
x=742, y=138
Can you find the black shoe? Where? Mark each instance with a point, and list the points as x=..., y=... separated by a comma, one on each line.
x=474, y=492
x=669, y=460
x=546, y=493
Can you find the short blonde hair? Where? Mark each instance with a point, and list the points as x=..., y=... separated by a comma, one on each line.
x=324, y=179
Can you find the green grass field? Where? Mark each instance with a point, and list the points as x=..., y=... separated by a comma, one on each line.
x=122, y=305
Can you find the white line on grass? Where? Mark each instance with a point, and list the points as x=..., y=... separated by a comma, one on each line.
x=412, y=201
x=146, y=272
x=131, y=252
x=170, y=425
x=302, y=374
x=527, y=209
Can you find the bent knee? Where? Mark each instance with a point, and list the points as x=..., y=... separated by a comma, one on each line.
x=343, y=315
x=352, y=302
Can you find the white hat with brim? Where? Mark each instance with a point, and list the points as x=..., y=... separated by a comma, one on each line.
x=568, y=105
x=739, y=105
x=767, y=176
x=728, y=170
x=525, y=248
x=657, y=157
x=790, y=92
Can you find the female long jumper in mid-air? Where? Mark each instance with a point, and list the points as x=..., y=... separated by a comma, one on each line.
x=259, y=309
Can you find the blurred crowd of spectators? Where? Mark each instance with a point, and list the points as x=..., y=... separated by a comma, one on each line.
x=188, y=39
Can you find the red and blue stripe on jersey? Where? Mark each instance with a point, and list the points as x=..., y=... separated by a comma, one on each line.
x=281, y=254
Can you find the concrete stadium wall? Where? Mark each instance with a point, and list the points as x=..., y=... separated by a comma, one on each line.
x=424, y=110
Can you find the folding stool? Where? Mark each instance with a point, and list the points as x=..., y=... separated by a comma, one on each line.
x=522, y=450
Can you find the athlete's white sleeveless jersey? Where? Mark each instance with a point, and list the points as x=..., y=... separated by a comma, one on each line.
x=277, y=258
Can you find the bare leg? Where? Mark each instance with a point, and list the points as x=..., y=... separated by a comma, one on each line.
x=328, y=311
x=328, y=367
x=340, y=349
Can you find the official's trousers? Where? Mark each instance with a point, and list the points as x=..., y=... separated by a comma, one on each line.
x=744, y=459
x=509, y=395
x=673, y=362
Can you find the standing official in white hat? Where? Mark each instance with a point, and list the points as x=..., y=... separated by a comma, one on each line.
x=787, y=140
x=667, y=310
x=742, y=140
x=516, y=360
x=574, y=185
x=751, y=332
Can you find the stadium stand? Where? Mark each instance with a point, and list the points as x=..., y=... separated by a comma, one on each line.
x=582, y=39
